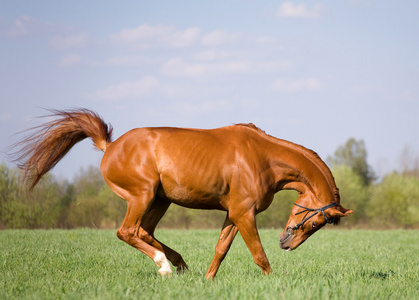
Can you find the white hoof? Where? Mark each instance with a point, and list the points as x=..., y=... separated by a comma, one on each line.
x=161, y=261
x=165, y=273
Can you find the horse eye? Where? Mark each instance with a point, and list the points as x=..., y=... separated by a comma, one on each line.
x=314, y=225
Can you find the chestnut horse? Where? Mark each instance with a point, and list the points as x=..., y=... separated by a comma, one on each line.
x=236, y=169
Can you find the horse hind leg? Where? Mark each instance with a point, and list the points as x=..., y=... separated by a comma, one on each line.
x=130, y=228
x=227, y=235
x=146, y=233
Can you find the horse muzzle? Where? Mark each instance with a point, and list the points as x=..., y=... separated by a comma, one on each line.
x=285, y=239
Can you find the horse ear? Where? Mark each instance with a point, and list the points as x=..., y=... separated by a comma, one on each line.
x=340, y=212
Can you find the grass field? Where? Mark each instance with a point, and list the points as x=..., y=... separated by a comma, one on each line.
x=94, y=264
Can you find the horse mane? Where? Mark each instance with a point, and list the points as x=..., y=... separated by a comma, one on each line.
x=252, y=126
x=310, y=154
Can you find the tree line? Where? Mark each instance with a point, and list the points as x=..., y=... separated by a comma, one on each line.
x=86, y=201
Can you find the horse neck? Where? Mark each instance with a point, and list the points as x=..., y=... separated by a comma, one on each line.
x=301, y=169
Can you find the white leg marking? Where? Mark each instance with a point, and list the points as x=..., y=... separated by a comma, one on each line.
x=161, y=261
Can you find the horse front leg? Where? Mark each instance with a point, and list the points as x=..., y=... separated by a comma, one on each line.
x=246, y=224
x=227, y=235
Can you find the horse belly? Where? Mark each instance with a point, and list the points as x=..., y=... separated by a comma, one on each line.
x=200, y=195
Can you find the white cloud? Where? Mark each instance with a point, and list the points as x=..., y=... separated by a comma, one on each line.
x=266, y=40
x=219, y=37
x=146, y=36
x=72, y=41
x=123, y=61
x=179, y=90
x=69, y=60
x=272, y=66
x=20, y=26
x=117, y=61
x=185, y=38
x=290, y=10
x=206, y=107
x=130, y=89
x=183, y=110
x=208, y=55
x=25, y=25
x=177, y=67
x=141, y=33
x=290, y=86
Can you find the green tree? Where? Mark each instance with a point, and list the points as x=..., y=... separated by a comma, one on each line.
x=94, y=204
x=277, y=215
x=178, y=217
x=67, y=197
x=354, y=155
x=395, y=202
x=353, y=193
x=9, y=195
x=87, y=211
x=23, y=209
x=43, y=204
x=409, y=161
x=115, y=207
x=88, y=181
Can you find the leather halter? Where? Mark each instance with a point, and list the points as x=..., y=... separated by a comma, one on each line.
x=315, y=211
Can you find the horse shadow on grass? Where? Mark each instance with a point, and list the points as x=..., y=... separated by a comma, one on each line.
x=378, y=274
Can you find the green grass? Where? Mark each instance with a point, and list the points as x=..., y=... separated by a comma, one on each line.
x=94, y=264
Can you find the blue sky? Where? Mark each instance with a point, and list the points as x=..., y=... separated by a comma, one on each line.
x=312, y=72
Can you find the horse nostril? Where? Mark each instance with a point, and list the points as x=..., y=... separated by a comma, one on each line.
x=286, y=236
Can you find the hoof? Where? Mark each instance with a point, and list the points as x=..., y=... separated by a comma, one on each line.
x=182, y=269
x=165, y=273
x=161, y=261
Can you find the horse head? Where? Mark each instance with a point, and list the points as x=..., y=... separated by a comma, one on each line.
x=308, y=215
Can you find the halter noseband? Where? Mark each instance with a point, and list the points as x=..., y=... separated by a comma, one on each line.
x=315, y=211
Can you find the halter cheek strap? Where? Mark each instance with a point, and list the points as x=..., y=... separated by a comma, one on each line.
x=315, y=211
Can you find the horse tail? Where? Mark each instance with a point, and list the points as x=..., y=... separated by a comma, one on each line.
x=47, y=144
